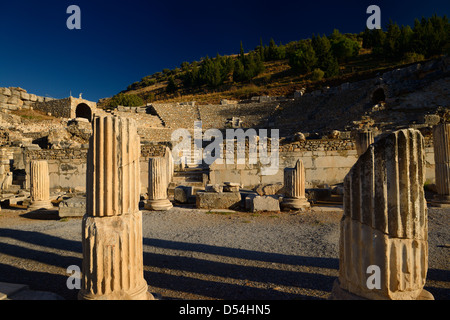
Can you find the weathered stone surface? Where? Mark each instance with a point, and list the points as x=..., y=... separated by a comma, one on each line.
x=157, y=185
x=214, y=188
x=113, y=165
x=269, y=189
x=441, y=139
x=112, y=226
x=218, y=200
x=184, y=194
x=231, y=187
x=73, y=207
x=263, y=203
x=39, y=185
x=294, y=188
x=363, y=140
x=113, y=259
x=170, y=164
x=385, y=220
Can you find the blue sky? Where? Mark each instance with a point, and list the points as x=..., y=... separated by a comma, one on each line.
x=122, y=41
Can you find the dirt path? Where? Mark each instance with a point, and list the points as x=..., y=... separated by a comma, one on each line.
x=193, y=254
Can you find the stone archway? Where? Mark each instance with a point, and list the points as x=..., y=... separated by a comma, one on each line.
x=378, y=96
x=83, y=111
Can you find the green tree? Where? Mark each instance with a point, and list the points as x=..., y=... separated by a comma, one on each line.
x=185, y=66
x=391, y=48
x=127, y=100
x=241, y=52
x=344, y=48
x=171, y=85
x=304, y=59
x=405, y=40
x=326, y=61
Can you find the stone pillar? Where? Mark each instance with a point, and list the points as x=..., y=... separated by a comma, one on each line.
x=39, y=185
x=294, y=188
x=363, y=140
x=170, y=165
x=157, y=185
x=385, y=222
x=112, y=225
x=5, y=169
x=441, y=141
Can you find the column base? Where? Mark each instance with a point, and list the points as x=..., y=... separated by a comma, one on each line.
x=338, y=293
x=41, y=204
x=142, y=294
x=440, y=201
x=158, y=205
x=295, y=204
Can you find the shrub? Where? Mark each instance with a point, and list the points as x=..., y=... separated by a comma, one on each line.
x=317, y=74
x=410, y=57
x=127, y=100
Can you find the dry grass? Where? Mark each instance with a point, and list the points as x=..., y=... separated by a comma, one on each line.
x=32, y=115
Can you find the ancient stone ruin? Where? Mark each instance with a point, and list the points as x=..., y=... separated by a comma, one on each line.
x=363, y=140
x=294, y=187
x=441, y=136
x=158, y=171
x=39, y=185
x=112, y=227
x=385, y=222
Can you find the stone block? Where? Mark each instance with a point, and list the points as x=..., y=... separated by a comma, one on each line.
x=218, y=200
x=214, y=188
x=73, y=207
x=231, y=187
x=184, y=194
x=269, y=189
x=263, y=203
x=24, y=96
x=5, y=91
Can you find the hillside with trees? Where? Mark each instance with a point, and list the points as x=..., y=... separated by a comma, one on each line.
x=282, y=69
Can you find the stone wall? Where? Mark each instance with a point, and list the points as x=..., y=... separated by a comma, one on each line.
x=65, y=108
x=325, y=161
x=59, y=108
x=17, y=98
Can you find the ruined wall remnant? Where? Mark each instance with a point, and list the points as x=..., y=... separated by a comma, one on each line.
x=68, y=108
x=17, y=98
x=441, y=137
x=385, y=221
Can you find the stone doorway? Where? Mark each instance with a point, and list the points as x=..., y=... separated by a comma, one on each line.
x=378, y=96
x=83, y=111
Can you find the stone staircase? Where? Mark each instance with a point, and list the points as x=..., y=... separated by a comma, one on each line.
x=194, y=177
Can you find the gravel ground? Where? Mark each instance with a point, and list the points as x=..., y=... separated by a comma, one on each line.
x=194, y=254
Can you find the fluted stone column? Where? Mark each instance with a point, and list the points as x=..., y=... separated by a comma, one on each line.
x=170, y=165
x=112, y=226
x=294, y=187
x=441, y=141
x=39, y=185
x=385, y=222
x=363, y=140
x=157, y=185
